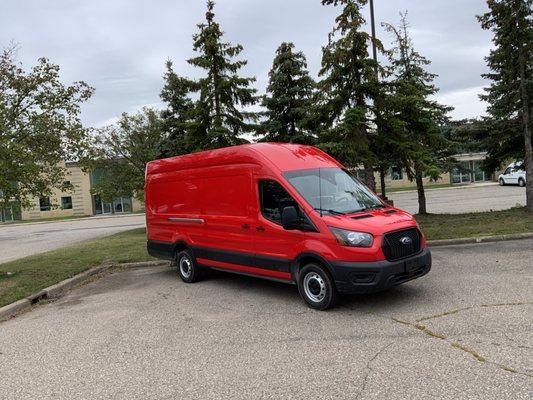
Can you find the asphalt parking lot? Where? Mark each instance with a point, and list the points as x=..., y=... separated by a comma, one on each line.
x=463, y=199
x=462, y=331
x=21, y=240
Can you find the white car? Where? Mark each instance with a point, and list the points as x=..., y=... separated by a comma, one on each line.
x=515, y=174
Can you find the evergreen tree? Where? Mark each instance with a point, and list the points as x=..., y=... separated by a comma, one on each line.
x=509, y=96
x=422, y=145
x=219, y=118
x=177, y=118
x=347, y=90
x=288, y=101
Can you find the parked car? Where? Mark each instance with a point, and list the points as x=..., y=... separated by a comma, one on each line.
x=514, y=174
x=285, y=212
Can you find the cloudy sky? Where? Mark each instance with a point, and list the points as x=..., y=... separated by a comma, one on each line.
x=120, y=46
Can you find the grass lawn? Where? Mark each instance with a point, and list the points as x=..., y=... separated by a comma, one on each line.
x=34, y=273
x=448, y=226
x=406, y=188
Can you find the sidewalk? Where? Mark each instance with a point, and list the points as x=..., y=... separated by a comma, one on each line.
x=73, y=219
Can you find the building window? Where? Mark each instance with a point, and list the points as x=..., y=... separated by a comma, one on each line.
x=66, y=203
x=396, y=174
x=44, y=203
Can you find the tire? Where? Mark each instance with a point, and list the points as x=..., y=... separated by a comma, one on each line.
x=188, y=270
x=521, y=182
x=502, y=182
x=316, y=287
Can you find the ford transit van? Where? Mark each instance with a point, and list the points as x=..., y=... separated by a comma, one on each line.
x=285, y=212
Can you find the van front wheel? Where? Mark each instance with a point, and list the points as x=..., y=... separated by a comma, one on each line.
x=187, y=268
x=316, y=287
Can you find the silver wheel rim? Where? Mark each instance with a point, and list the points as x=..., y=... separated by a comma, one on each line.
x=521, y=183
x=185, y=267
x=314, y=287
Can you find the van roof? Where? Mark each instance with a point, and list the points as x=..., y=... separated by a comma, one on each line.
x=281, y=156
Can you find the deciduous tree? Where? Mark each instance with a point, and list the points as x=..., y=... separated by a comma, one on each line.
x=39, y=128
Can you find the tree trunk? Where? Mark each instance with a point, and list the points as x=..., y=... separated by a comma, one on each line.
x=421, y=191
x=370, y=180
x=527, y=130
x=382, y=172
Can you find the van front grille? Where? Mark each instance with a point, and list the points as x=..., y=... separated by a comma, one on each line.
x=401, y=244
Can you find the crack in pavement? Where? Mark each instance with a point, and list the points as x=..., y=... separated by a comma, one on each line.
x=459, y=346
x=370, y=369
x=458, y=310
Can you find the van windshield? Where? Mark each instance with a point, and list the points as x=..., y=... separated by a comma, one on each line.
x=332, y=190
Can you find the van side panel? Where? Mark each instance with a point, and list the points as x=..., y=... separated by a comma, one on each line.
x=205, y=208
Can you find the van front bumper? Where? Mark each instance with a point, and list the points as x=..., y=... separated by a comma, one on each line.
x=367, y=277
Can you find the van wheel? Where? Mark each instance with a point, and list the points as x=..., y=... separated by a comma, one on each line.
x=187, y=268
x=316, y=287
x=502, y=182
x=521, y=182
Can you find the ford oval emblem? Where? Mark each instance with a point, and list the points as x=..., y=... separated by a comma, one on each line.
x=406, y=240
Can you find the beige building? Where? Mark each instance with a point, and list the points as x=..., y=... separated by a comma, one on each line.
x=469, y=171
x=78, y=202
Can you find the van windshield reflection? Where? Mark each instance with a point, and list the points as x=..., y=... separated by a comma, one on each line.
x=332, y=190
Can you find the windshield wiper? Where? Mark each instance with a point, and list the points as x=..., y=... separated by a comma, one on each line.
x=373, y=207
x=333, y=212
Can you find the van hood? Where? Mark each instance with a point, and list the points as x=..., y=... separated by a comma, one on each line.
x=376, y=222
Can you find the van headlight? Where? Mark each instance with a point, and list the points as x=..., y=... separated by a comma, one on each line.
x=352, y=238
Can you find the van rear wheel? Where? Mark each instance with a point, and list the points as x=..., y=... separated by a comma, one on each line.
x=521, y=182
x=316, y=287
x=188, y=271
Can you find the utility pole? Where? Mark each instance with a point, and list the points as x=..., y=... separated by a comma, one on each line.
x=376, y=71
x=373, y=26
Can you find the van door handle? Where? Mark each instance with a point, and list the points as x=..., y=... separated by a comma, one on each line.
x=260, y=228
x=245, y=226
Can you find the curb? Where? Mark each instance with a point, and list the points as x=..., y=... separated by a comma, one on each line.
x=81, y=217
x=481, y=239
x=59, y=289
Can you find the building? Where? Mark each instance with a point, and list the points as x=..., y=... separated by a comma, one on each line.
x=78, y=202
x=468, y=171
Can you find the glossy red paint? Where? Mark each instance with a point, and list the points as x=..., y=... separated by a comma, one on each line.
x=209, y=202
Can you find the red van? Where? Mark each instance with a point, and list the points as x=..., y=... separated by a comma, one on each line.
x=285, y=212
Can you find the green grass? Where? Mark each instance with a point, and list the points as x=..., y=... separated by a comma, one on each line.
x=406, y=188
x=26, y=221
x=449, y=226
x=31, y=274
x=34, y=273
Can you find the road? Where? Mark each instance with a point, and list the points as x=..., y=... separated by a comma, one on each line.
x=21, y=240
x=464, y=331
x=463, y=199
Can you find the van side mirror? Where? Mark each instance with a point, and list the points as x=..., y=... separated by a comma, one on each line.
x=289, y=218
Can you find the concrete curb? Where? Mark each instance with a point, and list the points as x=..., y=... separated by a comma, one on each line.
x=481, y=239
x=81, y=217
x=59, y=289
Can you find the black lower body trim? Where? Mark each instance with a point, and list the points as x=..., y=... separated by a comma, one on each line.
x=163, y=250
x=166, y=250
x=246, y=259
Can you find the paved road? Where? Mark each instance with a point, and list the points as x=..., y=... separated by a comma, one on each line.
x=464, y=199
x=21, y=240
x=464, y=331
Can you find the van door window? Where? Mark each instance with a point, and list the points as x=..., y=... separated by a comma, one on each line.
x=273, y=199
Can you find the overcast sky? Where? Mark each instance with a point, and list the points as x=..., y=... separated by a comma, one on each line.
x=120, y=46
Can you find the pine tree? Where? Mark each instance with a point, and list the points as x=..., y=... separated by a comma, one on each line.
x=422, y=145
x=509, y=96
x=347, y=90
x=289, y=97
x=177, y=118
x=219, y=118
